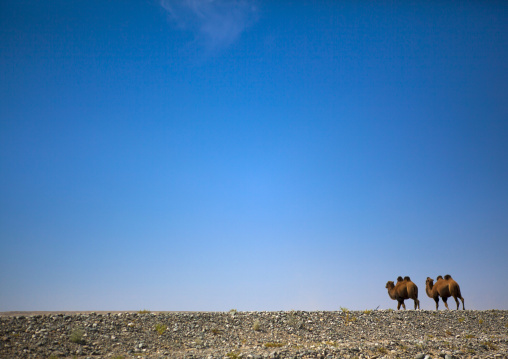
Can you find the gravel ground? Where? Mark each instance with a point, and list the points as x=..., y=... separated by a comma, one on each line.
x=257, y=335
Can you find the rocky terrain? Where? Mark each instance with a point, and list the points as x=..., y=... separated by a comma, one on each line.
x=257, y=335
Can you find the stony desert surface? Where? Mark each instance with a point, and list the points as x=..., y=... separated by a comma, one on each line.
x=372, y=334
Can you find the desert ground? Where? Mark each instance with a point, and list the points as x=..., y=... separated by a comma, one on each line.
x=373, y=334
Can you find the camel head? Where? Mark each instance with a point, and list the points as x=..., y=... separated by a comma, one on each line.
x=429, y=282
x=390, y=285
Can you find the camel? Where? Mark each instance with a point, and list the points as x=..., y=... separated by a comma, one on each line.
x=404, y=289
x=444, y=288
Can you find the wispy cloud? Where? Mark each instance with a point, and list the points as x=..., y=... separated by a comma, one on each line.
x=217, y=23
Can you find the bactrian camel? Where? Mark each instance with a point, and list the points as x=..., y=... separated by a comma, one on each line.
x=404, y=289
x=444, y=288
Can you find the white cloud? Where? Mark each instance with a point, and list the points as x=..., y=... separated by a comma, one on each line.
x=218, y=23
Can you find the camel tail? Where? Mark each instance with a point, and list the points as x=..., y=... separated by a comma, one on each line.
x=459, y=295
x=446, y=277
x=412, y=291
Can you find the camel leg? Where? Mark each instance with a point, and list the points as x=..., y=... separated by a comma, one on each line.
x=417, y=304
x=398, y=306
x=437, y=302
x=456, y=301
x=462, y=299
x=446, y=304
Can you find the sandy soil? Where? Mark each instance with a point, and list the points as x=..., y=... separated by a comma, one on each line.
x=70, y=312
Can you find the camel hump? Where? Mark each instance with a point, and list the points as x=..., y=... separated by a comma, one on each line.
x=439, y=277
x=446, y=277
x=399, y=279
x=407, y=278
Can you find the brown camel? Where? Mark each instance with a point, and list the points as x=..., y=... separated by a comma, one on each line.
x=444, y=288
x=404, y=289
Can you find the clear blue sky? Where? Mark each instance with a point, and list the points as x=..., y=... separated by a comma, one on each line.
x=256, y=155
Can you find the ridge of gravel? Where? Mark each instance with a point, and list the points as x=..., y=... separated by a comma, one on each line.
x=376, y=334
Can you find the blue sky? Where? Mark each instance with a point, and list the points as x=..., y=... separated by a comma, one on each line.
x=256, y=155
